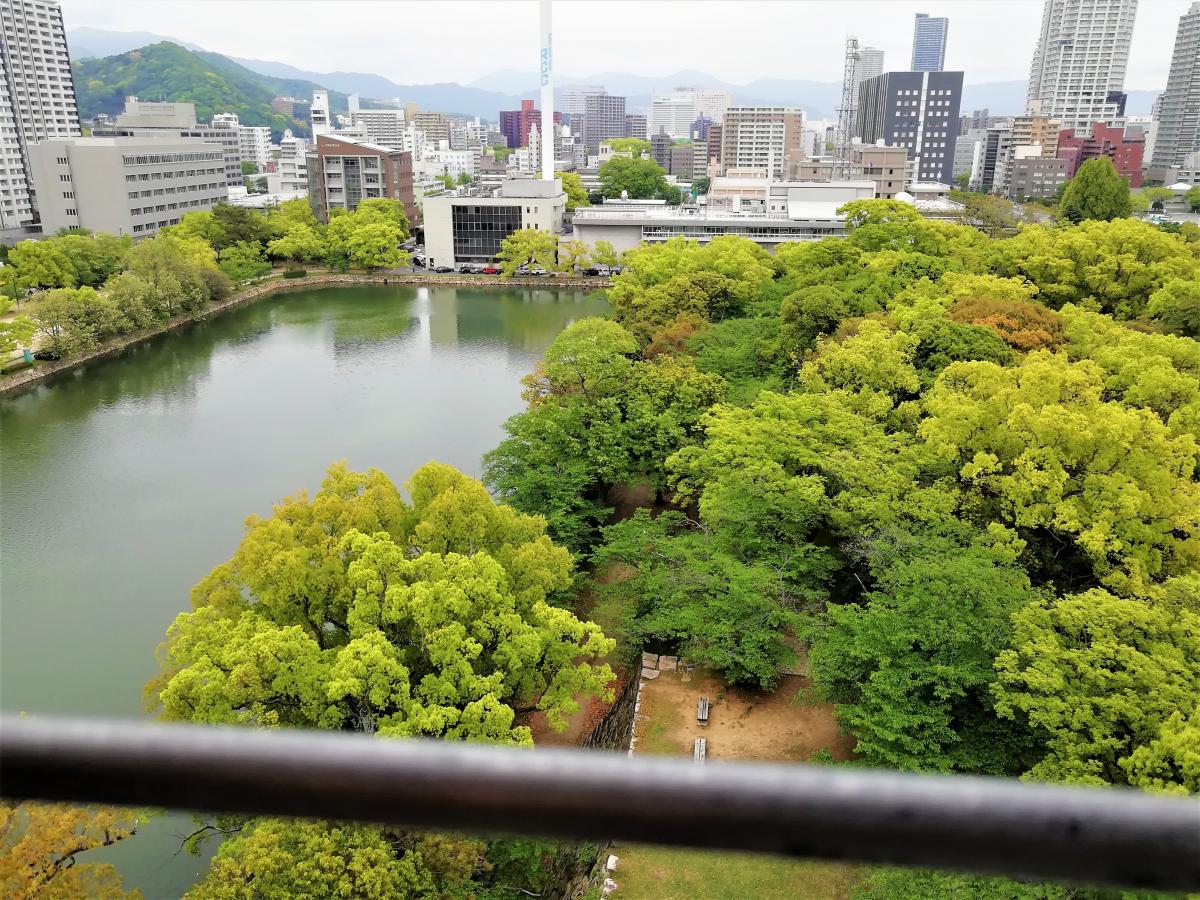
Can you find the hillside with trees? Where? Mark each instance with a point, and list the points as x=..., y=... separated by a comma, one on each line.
x=215, y=84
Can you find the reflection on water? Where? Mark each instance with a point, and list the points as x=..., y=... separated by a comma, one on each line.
x=123, y=482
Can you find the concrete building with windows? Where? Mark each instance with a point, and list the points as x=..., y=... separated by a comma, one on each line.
x=711, y=103
x=603, y=118
x=673, y=114
x=929, y=43
x=469, y=226
x=1077, y=147
x=381, y=126
x=917, y=111
x=1178, y=133
x=254, y=141
x=124, y=186
x=1078, y=70
x=435, y=126
x=516, y=123
x=160, y=120
x=968, y=157
x=883, y=166
x=572, y=99
x=637, y=126
x=342, y=171
x=37, y=102
x=761, y=137
x=783, y=212
x=291, y=171
x=870, y=64
x=1037, y=176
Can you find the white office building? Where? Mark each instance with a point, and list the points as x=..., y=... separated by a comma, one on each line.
x=673, y=115
x=291, y=171
x=254, y=141
x=160, y=120
x=572, y=99
x=37, y=101
x=124, y=185
x=1078, y=71
x=712, y=103
x=322, y=122
x=470, y=226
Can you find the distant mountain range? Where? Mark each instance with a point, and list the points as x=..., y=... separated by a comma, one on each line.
x=486, y=96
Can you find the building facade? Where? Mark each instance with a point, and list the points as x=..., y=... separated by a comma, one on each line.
x=342, y=171
x=37, y=101
x=1126, y=153
x=884, y=167
x=1078, y=70
x=471, y=227
x=870, y=64
x=637, y=126
x=603, y=119
x=161, y=120
x=761, y=137
x=435, y=126
x=292, y=171
x=125, y=186
x=711, y=103
x=381, y=126
x=572, y=99
x=1178, y=132
x=254, y=144
x=515, y=123
x=1037, y=176
x=917, y=111
x=673, y=114
x=929, y=43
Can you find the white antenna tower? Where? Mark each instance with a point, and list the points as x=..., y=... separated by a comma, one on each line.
x=847, y=109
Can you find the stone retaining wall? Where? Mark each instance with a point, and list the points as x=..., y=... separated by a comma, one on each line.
x=25, y=379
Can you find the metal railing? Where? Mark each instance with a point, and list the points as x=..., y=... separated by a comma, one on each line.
x=1114, y=836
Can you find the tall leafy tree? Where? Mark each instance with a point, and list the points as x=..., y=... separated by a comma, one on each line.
x=1096, y=192
x=528, y=247
x=359, y=611
x=637, y=178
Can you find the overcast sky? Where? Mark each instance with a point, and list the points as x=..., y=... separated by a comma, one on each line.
x=735, y=40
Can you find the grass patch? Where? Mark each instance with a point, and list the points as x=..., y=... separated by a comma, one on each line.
x=662, y=722
x=663, y=873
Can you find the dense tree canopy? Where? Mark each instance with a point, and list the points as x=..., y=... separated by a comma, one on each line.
x=1096, y=192
x=637, y=178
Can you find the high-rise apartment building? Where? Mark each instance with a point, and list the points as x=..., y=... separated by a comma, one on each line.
x=603, y=119
x=435, y=125
x=762, y=137
x=37, y=100
x=515, y=123
x=322, y=121
x=1178, y=133
x=292, y=171
x=1078, y=70
x=343, y=171
x=572, y=99
x=1042, y=131
x=636, y=126
x=381, y=126
x=126, y=185
x=143, y=119
x=917, y=111
x=254, y=141
x=870, y=64
x=929, y=43
x=660, y=148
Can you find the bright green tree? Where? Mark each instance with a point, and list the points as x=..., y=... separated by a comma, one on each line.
x=356, y=610
x=1102, y=676
x=42, y=264
x=376, y=245
x=577, y=194
x=71, y=321
x=572, y=255
x=1049, y=455
x=1096, y=192
x=603, y=254
x=299, y=242
x=1176, y=306
x=16, y=333
x=636, y=146
x=243, y=261
x=637, y=178
x=527, y=247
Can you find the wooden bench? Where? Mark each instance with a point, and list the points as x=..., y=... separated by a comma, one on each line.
x=702, y=706
x=699, y=750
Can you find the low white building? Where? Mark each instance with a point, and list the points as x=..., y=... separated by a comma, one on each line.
x=124, y=185
x=469, y=226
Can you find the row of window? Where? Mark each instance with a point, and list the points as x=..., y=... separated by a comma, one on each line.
x=149, y=159
x=159, y=176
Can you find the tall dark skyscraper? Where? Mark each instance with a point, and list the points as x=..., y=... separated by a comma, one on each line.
x=917, y=111
x=929, y=43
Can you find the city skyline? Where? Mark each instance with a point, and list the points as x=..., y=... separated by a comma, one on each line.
x=991, y=42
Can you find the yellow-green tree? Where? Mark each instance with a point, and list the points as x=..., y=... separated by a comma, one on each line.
x=40, y=847
x=527, y=247
x=357, y=610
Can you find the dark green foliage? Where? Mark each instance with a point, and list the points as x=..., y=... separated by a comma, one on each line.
x=944, y=342
x=747, y=353
x=167, y=71
x=699, y=596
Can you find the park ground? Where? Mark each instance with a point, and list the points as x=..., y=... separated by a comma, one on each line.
x=783, y=725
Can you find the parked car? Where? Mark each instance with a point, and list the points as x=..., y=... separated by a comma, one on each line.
x=443, y=270
x=490, y=270
x=536, y=270
x=418, y=262
x=467, y=269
